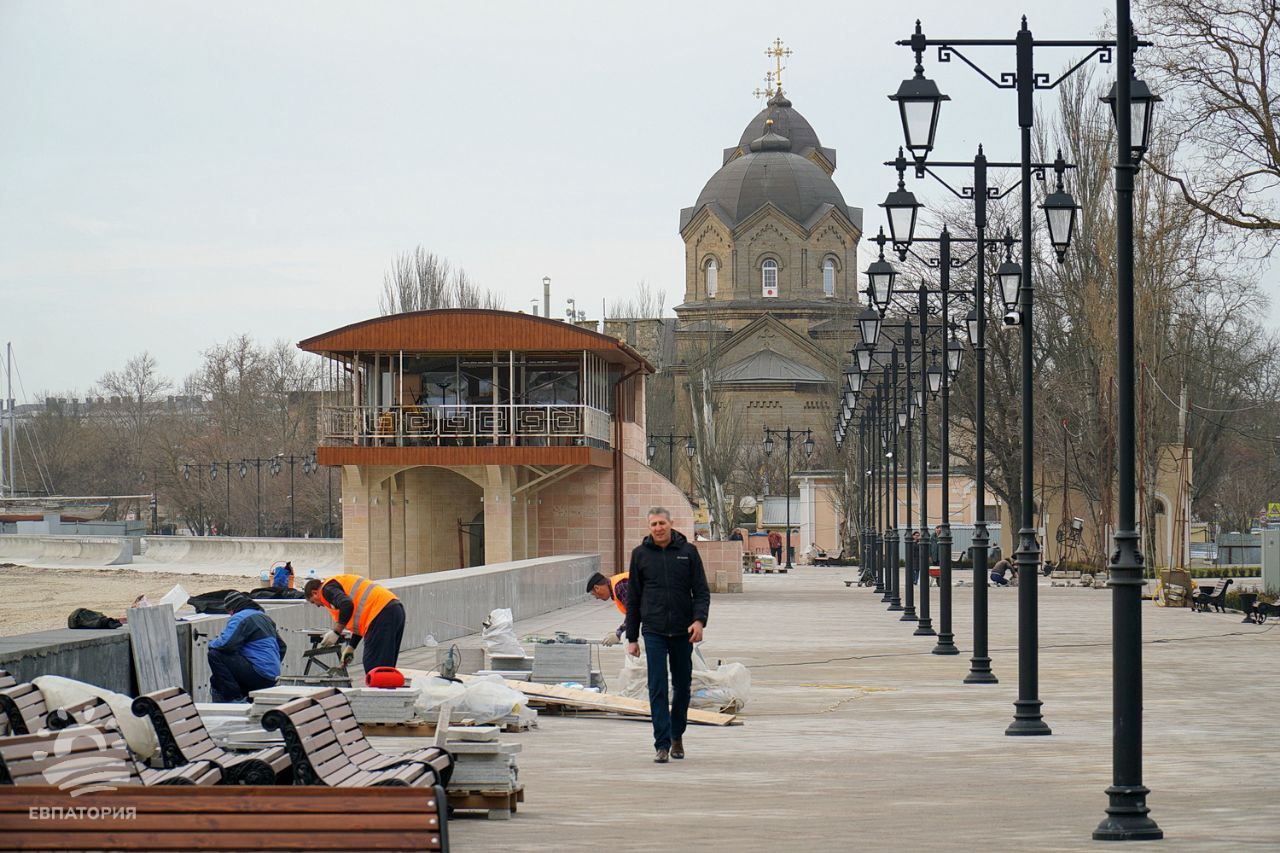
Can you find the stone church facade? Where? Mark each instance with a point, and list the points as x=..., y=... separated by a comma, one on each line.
x=771, y=281
x=770, y=290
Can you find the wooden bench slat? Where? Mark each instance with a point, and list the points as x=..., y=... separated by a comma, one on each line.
x=232, y=800
x=249, y=841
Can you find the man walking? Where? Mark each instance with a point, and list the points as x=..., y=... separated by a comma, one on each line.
x=371, y=611
x=668, y=601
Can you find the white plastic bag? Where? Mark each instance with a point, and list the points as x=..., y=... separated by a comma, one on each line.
x=138, y=732
x=434, y=692
x=487, y=699
x=724, y=688
x=499, y=634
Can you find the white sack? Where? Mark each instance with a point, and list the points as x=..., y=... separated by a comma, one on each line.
x=432, y=693
x=726, y=687
x=60, y=692
x=499, y=634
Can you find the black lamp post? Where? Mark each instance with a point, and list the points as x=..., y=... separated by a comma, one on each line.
x=1028, y=719
x=670, y=440
x=308, y=466
x=1127, y=813
x=788, y=435
x=244, y=472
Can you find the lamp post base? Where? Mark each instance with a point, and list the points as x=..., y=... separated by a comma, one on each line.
x=894, y=606
x=1126, y=818
x=924, y=628
x=908, y=614
x=1027, y=719
x=980, y=672
x=946, y=645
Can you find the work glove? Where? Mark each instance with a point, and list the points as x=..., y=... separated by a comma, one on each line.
x=610, y=639
x=348, y=654
x=330, y=638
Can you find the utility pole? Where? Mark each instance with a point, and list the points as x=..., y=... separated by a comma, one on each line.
x=12, y=442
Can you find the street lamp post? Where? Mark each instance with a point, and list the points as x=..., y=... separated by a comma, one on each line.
x=1028, y=719
x=670, y=439
x=1127, y=817
x=788, y=435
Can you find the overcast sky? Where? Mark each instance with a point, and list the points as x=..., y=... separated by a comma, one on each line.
x=176, y=173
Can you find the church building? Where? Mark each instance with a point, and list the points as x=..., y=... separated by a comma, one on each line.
x=771, y=282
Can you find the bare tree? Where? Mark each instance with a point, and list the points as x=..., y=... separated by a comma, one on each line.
x=1218, y=67
x=646, y=303
x=421, y=281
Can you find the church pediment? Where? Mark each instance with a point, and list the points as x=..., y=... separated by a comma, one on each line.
x=768, y=366
x=767, y=334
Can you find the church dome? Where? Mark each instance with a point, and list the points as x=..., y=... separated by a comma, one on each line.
x=786, y=122
x=771, y=172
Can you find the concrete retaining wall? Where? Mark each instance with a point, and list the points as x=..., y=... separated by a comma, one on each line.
x=59, y=551
x=444, y=605
x=238, y=554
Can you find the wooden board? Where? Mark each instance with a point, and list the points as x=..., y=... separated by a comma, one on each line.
x=570, y=697
x=153, y=641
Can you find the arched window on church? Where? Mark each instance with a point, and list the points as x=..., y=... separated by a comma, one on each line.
x=712, y=269
x=769, y=278
x=829, y=278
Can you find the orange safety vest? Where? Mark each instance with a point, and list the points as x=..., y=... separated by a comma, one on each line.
x=369, y=599
x=613, y=589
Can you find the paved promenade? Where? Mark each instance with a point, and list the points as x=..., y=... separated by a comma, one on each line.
x=857, y=738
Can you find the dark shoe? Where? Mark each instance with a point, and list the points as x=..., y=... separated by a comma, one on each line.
x=662, y=756
x=677, y=749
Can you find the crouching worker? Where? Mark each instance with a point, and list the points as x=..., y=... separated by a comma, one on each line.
x=371, y=612
x=612, y=588
x=246, y=655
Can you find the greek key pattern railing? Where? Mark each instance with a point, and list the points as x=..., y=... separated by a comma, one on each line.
x=433, y=424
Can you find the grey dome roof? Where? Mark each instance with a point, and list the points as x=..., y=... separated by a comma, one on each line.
x=770, y=172
x=786, y=122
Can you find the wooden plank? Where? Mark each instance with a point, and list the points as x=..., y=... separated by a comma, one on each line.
x=180, y=840
x=153, y=640
x=570, y=697
x=235, y=799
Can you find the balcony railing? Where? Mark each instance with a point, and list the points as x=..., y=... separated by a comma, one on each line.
x=454, y=425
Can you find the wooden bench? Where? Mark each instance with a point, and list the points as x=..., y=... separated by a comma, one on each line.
x=318, y=755
x=97, y=714
x=23, y=706
x=362, y=753
x=224, y=818
x=1215, y=597
x=184, y=739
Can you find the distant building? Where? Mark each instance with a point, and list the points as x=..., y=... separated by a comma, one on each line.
x=468, y=437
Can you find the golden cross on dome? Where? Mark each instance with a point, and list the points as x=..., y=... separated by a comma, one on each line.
x=778, y=51
x=767, y=91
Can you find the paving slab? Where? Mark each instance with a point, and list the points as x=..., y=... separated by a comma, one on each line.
x=858, y=738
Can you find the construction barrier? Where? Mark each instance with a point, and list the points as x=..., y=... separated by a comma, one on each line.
x=65, y=551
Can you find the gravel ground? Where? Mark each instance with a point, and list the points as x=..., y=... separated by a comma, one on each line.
x=40, y=599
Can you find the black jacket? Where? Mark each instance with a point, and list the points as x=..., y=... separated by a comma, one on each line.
x=668, y=589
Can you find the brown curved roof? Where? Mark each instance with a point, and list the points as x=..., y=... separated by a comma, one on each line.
x=470, y=330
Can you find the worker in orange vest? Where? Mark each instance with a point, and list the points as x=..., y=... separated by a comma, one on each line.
x=615, y=588
x=370, y=611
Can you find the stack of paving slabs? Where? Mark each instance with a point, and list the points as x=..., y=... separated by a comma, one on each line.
x=513, y=667
x=273, y=697
x=556, y=663
x=231, y=726
x=481, y=761
x=382, y=704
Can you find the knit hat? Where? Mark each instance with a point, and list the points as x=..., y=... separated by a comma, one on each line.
x=237, y=601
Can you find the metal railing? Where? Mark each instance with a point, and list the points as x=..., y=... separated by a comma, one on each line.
x=537, y=425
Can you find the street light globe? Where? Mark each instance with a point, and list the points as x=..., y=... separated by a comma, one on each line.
x=971, y=327
x=934, y=376
x=863, y=354
x=869, y=326
x=1060, y=212
x=651, y=450
x=902, y=210
x=808, y=446
x=919, y=103
x=854, y=378
x=1009, y=274
x=690, y=449
x=955, y=356
x=1142, y=105
x=768, y=444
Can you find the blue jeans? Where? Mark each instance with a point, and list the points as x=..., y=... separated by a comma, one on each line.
x=668, y=724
